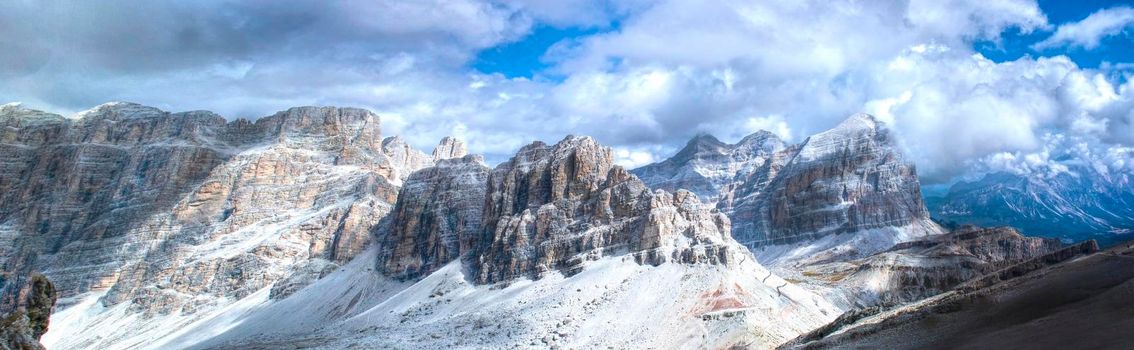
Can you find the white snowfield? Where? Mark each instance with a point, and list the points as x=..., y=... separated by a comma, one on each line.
x=613, y=302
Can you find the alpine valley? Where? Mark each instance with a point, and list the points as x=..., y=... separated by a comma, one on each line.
x=129, y=227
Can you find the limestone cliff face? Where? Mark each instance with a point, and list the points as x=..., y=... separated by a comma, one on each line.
x=438, y=213
x=151, y=207
x=551, y=207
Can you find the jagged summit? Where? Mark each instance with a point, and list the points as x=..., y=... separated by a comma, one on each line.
x=705, y=165
x=449, y=147
x=554, y=207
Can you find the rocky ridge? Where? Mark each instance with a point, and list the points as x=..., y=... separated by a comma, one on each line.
x=847, y=180
x=914, y=270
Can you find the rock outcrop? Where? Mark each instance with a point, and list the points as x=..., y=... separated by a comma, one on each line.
x=22, y=328
x=915, y=270
x=450, y=148
x=179, y=211
x=552, y=207
x=437, y=215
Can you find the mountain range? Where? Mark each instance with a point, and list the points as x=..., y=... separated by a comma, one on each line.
x=309, y=229
x=1086, y=201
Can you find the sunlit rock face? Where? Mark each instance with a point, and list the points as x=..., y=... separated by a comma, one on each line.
x=171, y=211
x=551, y=207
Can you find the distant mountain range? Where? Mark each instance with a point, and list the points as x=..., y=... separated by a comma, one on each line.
x=1083, y=202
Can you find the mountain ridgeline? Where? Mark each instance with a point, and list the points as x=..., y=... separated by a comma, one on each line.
x=1087, y=201
x=309, y=228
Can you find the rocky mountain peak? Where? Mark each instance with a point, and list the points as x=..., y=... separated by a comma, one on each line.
x=848, y=179
x=701, y=146
x=450, y=147
x=706, y=165
x=552, y=207
x=120, y=111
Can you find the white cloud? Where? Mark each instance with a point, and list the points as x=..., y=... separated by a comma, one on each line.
x=1088, y=32
x=671, y=69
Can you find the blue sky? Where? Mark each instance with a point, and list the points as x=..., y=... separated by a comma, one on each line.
x=967, y=86
x=1014, y=45
x=526, y=57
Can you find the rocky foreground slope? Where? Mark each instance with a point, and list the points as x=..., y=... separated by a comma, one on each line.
x=1071, y=298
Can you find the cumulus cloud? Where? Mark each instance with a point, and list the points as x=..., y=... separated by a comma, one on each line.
x=667, y=70
x=1090, y=31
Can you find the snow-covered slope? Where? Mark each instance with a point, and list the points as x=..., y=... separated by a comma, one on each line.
x=612, y=302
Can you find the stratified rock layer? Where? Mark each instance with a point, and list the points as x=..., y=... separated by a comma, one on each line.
x=177, y=211
x=848, y=179
x=553, y=207
x=437, y=214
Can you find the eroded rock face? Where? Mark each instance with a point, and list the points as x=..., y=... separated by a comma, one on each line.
x=551, y=207
x=153, y=207
x=438, y=213
x=403, y=156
